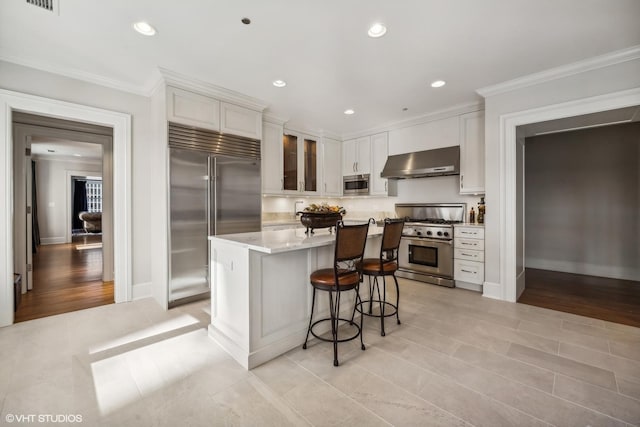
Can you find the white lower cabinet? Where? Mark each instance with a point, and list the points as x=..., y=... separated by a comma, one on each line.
x=468, y=256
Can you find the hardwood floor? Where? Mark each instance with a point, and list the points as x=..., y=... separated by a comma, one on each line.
x=65, y=279
x=602, y=298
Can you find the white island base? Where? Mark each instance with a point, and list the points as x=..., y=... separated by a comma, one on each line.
x=260, y=291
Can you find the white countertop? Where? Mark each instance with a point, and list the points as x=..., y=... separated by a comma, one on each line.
x=469, y=224
x=291, y=239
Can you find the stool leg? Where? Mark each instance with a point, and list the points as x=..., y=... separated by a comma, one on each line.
x=371, y=286
x=361, y=320
x=397, y=299
x=356, y=303
x=377, y=287
x=334, y=309
x=382, y=304
x=313, y=304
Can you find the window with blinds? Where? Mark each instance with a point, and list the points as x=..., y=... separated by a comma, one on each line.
x=94, y=196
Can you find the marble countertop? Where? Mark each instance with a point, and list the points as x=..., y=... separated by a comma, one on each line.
x=291, y=239
x=469, y=224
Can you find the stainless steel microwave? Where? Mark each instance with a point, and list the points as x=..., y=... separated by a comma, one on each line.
x=355, y=185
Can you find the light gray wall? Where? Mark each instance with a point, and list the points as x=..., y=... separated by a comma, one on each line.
x=51, y=178
x=600, y=81
x=582, y=203
x=41, y=83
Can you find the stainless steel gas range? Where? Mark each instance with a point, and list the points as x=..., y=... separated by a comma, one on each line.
x=426, y=247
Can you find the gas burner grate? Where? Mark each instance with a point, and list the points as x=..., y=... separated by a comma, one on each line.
x=432, y=221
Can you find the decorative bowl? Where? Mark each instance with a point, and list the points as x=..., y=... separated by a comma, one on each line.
x=313, y=220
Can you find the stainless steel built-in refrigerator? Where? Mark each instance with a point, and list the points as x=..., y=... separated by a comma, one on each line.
x=209, y=195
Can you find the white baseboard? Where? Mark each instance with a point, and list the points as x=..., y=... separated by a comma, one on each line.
x=239, y=354
x=52, y=240
x=141, y=290
x=613, y=272
x=492, y=290
x=469, y=286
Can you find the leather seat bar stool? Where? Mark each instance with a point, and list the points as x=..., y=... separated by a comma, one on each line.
x=385, y=265
x=344, y=276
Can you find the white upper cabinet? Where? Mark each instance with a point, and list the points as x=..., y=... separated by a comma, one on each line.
x=472, y=153
x=379, y=152
x=240, y=121
x=192, y=109
x=272, y=173
x=425, y=136
x=356, y=156
x=331, y=167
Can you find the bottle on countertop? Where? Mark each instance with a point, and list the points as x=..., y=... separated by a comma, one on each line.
x=481, y=208
x=472, y=216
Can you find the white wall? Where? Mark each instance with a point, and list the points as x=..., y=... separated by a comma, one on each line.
x=31, y=81
x=582, y=201
x=51, y=178
x=575, y=87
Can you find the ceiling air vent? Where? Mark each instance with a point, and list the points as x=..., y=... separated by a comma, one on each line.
x=50, y=5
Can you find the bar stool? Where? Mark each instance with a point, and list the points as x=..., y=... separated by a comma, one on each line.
x=385, y=265
x=343, y=276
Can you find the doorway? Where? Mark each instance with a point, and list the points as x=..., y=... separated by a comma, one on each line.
x=59, y=166
x=580, y=193
x=11, y=102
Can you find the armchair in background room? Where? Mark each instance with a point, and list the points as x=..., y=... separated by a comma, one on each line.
x=92, y=221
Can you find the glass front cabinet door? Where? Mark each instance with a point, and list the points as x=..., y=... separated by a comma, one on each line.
x=300, y=163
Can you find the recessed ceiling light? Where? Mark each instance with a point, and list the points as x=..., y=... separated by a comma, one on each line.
x=377, y=30
x=438, y=83
x=405, y=109
x=246, y=21
x=77, y=155
x=279, y=83
x=144, y=28
x=349, y=112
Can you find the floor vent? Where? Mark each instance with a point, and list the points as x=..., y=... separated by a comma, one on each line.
x=50, y=5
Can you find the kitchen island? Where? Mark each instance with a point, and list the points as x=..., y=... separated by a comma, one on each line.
x=260, y=291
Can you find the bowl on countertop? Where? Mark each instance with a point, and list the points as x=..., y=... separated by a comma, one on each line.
x=313, y=220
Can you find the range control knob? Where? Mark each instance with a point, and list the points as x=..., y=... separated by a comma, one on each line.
x=429, y=233
x=439, y=233
x=419, y=233
x=446, y=234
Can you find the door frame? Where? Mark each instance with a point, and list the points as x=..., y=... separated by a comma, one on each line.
x=511, y=229
x=121, y=124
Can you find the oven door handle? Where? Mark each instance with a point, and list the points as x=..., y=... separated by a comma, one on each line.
x=427, y=240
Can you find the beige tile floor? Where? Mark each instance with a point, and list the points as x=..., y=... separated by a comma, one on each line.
x=458, y=359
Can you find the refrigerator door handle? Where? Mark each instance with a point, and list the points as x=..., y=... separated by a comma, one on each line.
x=211, y=196
x=216, y=195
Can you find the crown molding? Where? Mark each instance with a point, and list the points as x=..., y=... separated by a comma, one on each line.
x=455, y=110
x=188, y=83
x=80, y=75
x=268, y=117
x=608, y=59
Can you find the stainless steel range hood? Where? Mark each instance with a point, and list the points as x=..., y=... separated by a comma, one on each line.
x=436, y=162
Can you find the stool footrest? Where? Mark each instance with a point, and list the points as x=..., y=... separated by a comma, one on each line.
x=392, y=312
x=328, y=319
